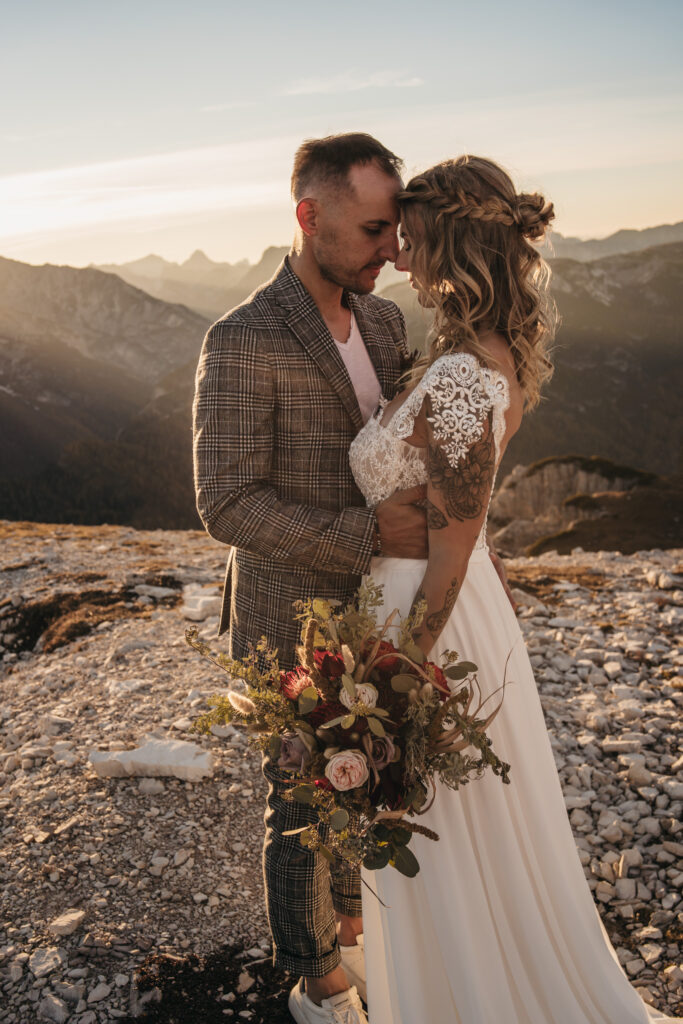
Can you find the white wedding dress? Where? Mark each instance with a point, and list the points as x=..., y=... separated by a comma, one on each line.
x=499, y=926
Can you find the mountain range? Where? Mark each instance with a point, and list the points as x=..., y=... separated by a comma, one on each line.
x=96, y=380
x=213, y=288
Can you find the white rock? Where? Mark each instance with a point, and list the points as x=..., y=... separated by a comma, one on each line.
x=52, y=724
x=46, y=960
x=67, y=923
x=52, y=1008
x=196, y=608
x=151, y=787
x=155, y=758
x=100, y=992
x=612, y=669
x=672, y=787
x=626, y=888
x=639, y=775
x=123, y=687
x=650, y=952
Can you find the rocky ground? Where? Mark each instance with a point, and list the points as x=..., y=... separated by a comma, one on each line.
x=125, y=897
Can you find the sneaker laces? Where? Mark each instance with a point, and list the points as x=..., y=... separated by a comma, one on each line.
x=345, y=1013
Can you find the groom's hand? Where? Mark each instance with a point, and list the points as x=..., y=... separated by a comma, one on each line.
x=402, y=525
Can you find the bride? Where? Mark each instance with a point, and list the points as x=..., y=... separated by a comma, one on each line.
x=499, y=926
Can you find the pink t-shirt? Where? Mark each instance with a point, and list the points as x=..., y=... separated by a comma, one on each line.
x=361, y=371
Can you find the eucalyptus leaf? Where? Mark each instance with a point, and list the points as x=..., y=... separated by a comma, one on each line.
x=456, y=672
x=304, y=793
x=333, y=722
x=347, y=721
x=306, y=704
x=403, y=682
x=349, y=685
x=377, y=859
x=469, y=665
x=405, y=861
x=376, y=726
x=339, y=819
x=274, y=746
x=414, y=652
x=381, y=832
x=400, y=836
x=327, y=854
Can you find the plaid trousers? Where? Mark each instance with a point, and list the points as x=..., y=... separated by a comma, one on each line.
x=274, y=415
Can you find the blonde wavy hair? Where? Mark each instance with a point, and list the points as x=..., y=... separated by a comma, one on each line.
x=473, y=261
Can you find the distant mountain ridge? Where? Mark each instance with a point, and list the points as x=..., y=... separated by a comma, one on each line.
x=213, y=288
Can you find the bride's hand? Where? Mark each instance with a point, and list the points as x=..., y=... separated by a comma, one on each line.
x=402, y=525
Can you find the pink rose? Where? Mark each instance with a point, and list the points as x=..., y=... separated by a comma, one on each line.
x=347, y=770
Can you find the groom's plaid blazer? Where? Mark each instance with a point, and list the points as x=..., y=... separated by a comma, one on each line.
x=274, y=415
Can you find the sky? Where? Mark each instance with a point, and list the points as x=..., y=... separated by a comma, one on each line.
x=166, y=127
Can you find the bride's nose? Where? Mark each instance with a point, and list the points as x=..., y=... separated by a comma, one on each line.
x=390, y=248
x=402, y=262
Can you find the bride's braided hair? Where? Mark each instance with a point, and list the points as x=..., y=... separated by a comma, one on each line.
x=474, y=262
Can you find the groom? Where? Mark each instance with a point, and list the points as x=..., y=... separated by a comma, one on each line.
x=284, y=383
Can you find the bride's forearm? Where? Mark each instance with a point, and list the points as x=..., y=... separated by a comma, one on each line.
x=440, y=587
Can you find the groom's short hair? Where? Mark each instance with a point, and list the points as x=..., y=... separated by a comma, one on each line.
x=327, y=162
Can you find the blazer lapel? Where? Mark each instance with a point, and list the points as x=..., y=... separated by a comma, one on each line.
x=306, y=323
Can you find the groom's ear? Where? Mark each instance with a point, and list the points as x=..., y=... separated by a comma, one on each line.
x=307, y=216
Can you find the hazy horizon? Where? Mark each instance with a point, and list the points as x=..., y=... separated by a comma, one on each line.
x=165, y=131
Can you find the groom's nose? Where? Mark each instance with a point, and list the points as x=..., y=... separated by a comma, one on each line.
x=390, y=247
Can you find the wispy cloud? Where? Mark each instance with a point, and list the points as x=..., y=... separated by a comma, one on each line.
x=352, y=81
x=233, y=176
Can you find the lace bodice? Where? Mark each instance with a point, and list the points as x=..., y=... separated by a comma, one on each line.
x=462, y=393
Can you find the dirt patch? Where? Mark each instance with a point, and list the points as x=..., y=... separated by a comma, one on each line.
x=63, y=617
x=195, y=989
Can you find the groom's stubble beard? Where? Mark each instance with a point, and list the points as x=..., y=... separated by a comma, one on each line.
x=333, y=269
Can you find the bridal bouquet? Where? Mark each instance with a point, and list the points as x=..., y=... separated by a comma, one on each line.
x=364, y=724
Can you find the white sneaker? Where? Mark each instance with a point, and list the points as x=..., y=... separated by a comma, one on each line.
x=344, y=1008
x=353, y=962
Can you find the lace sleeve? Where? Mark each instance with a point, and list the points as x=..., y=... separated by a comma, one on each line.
x=462, y=394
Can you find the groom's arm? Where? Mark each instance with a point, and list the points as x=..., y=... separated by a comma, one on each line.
x=234, y=417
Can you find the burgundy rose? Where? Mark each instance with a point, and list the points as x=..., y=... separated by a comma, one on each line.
x=325, y=712
x=329, y=665
x=386, y=659
x=439, y=678
x=293, y=752
x=294, y=682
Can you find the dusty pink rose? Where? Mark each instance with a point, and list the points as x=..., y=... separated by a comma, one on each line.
x=293, y=752
x=347, y=770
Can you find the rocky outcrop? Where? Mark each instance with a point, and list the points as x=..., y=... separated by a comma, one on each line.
x=537, y=501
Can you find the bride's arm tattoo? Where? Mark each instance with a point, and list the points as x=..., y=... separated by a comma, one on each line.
x=465, y=488
x=436, y=520
x=437, y=620
x=420, y=596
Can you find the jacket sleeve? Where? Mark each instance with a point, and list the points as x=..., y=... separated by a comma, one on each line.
x=233, y=416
